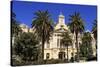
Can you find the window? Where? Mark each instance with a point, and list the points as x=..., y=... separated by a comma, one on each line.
x=47, y=56
x=48, y=45
x=57, y=42
x=62, y=26
x=75, y=45
x=79, y=43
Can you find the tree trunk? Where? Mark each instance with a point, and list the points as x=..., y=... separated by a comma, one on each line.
x=67, y=53
x=43, y=41
x=73, y=53
x=42, y=49
x=77, y=46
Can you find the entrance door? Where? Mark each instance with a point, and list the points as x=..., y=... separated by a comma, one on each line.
x=61, y=55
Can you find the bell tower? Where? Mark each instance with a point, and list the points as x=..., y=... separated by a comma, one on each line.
x=61, y=22
x=61, y=19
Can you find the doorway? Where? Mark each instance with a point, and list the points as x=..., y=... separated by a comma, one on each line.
x=61, y=55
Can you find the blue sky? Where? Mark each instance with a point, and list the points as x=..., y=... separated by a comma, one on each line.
x=25, y=11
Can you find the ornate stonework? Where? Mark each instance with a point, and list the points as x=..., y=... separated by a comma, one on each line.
x=54, y=49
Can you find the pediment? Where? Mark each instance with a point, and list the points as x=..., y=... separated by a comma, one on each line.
x=61, y=30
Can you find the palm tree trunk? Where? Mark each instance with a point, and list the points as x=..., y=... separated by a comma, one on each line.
x=43, y=41
x=77, y=46
x=67, y=53
x=42, y=50
x=73, y=53
x=96, y=46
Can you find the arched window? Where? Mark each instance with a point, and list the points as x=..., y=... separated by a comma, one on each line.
x=75, y=45
x=57, y=42
x=79, y=43
x=47, y=55
x=48, y=45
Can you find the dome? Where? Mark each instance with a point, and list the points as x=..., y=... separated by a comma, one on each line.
x=61, y=15
x=23, y=26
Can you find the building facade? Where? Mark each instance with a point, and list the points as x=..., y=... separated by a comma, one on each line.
x=54, y=49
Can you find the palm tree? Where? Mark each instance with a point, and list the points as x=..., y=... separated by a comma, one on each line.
x=67, y=41
x=94, y=30
x=43, y=25
x=76, y=26
x=15, y=29
x=86, y=47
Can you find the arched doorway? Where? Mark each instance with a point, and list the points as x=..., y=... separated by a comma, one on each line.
x=61, y=55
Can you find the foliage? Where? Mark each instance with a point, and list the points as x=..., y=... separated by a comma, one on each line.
x=86, y=46
x=76, y=26
x=94, y=29
x=76, y=23
x=66, y=41
x=43, y=25
x=15, y=29
x=26, y=47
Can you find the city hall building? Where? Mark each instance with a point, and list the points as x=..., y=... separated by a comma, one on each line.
x=54, y=49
